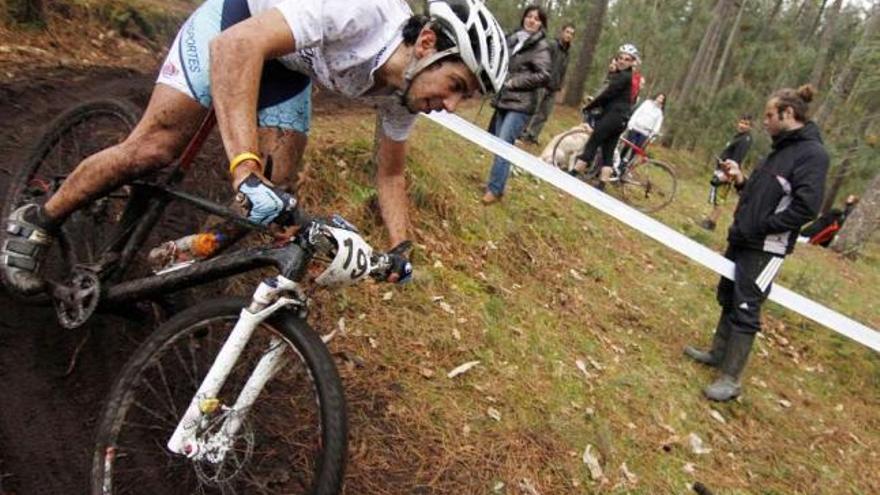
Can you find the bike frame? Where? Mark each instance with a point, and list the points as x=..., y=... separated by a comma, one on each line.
x=141, y=214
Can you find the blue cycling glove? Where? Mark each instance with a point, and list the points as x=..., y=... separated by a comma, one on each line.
x=265, y=202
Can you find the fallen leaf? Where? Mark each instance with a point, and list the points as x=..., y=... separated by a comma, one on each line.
x=373, y=342
x=456, y=334
x=438, y=264
x=784, y=403
x=426, y=372
x=387, y=296
x=689, y=468
x=525, y=485
x=498, y=487
x=717, y=416
x=577, y=276
x=446, y=307
x=436, y=298
x=462, y=369
x=592, y=462
x=581, y=365
x=697, y=446
x=494, y=413
x=595, y=363
x=630, y=477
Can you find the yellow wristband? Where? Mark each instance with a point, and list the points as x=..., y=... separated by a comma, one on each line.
x=243, y=157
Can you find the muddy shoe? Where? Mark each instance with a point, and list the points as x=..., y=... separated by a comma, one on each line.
x=23, y=252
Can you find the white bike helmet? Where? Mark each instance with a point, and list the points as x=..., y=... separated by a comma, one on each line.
x=479, y=41
x=629, y=49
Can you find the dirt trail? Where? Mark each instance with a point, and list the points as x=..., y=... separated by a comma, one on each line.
x=47, y=419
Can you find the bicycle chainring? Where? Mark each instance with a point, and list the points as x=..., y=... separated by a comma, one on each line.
x=76, y=301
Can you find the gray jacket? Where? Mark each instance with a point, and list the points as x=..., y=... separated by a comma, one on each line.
x=559, y=56
x=529, y=71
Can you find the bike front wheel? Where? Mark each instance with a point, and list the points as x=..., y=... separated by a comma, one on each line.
x=293, y=438
x=649, y=186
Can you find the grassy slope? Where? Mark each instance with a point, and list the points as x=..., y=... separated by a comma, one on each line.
x=539, y=282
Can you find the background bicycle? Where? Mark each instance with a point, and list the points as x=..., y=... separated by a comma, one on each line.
x=647, y=184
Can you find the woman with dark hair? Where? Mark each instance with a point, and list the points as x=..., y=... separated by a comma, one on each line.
x=517, y=101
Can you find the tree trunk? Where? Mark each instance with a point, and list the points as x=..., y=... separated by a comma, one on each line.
x=595, y=18
x=761, y=38
x=861, y=223
x=817, y=20
x=825, y=43
x=840, y=174
x=719, y=73
x=27, y=11
x=701, y=65
x=846, y=79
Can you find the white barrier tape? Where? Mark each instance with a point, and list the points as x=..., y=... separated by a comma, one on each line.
x=652, y=228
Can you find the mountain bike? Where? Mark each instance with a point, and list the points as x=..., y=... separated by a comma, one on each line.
x=646, y=184
x=231, y=395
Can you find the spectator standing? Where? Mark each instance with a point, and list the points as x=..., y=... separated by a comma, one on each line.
x=783, y=193
x=528, y=72
x=559, y=65
x=643, y=126
x=719, y=185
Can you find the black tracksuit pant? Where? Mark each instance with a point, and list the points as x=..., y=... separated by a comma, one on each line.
x=741, y=298
x=605, y=135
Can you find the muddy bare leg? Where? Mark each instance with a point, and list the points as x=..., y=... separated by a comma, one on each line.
x=170, y=120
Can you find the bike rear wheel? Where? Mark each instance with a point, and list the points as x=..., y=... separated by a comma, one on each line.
x=74, y=135
x=295, y=435
x=649, y=186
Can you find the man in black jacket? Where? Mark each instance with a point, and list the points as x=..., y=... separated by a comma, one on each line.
x=783, y=193
x=559, y=60
x=616, y=103
x=719, y=185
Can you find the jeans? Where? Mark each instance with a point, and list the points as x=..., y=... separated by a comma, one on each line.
x=507, y=125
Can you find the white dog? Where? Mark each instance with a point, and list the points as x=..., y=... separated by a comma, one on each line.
x=569, y=147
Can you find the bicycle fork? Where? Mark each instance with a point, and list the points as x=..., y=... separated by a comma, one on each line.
x=268, y=298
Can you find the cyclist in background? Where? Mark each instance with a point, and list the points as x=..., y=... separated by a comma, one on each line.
x=719, y=185
x=254, y=61
x=616, y=102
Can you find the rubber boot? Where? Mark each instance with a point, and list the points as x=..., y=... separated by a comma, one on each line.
x=713, y=356
x=727, y=386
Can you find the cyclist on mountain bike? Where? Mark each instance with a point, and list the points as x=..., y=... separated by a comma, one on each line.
x=254, y=61
x=616, y=102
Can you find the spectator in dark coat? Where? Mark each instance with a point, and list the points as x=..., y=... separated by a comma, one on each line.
x=559, y=58
x=529, y=71
x=616, y=102
x=719, y=185
x=783, y=193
